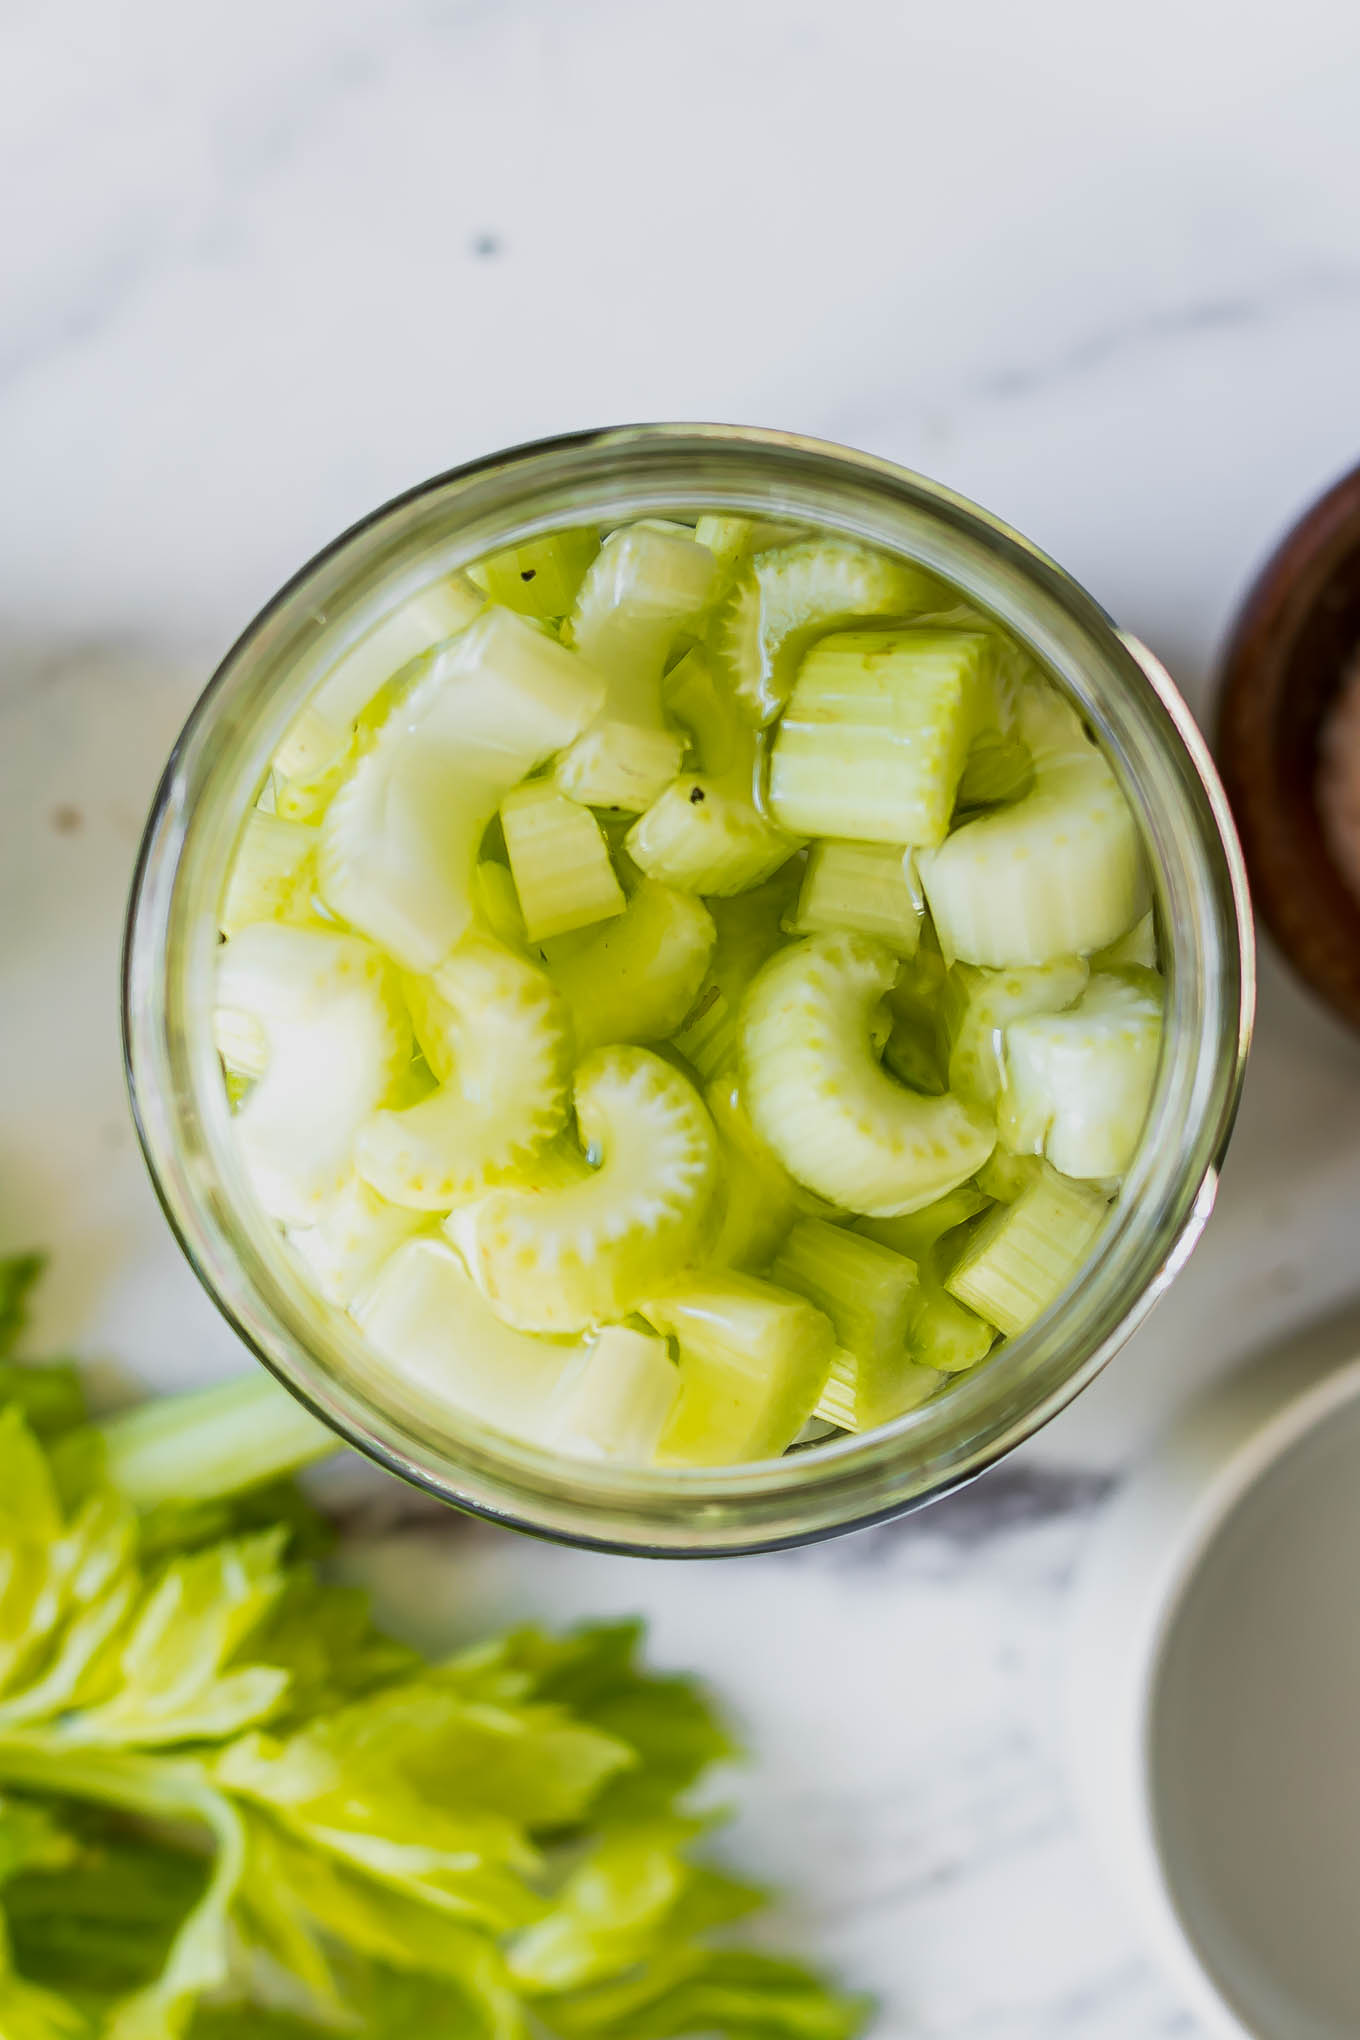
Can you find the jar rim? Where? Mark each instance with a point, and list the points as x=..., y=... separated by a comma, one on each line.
x=617, y=472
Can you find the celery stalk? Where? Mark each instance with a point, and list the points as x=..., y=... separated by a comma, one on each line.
x=211, y=1442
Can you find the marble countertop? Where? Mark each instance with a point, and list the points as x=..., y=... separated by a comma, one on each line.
x=263, y=266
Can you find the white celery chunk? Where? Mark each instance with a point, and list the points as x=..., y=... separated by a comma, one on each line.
x=543, y=576
x=400, y=840
x=1060, y=873
x=438, y=1338
x=636, y=977
x=870, y=1293
x=615, y=1398
x=876, y=731
x=978, y=1006
x=320, y=737
x=562, y=1259
x=835, y=1118
x=337, y=1039
x=1079, y=1083
x=559, y=860
x=272, y=875
x=864, y=886
x=705, y=834
x=352, y=1234
x=791, y=594
x=645, y=585
x=493, y=1031
x=1024, y=1255
x=753, y=1362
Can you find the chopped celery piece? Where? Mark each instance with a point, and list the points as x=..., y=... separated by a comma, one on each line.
x=560, y=861
x=1004, y=1175
x=857, y=1397
x=563, y=1259
x=838, y=1122
x=732, y=539
x=916, y=1232
x=864, y=886
x=400, y=841
x=753, y=1362
x=759, y=1200
x=708, y=1039
x=272, y=873
x=998, y=768
x=306, y=800
x=876, y=731
x=643, y=587
x=705, y=833
x=351, y=1235
x=427, y=1321
x=543, y=576
x=615, y=1398
x=1060, y=873
x=321, y=734
x=1078, y=1084
x=791, y=594
x=870, y=1294
x=497, y=904
x=636, y=977
x=749, y=929
x=978, y=1005
x=338, y=1038
x=946, y=1335
x=1138, y=947
x=1024, y=1255
x=494, y=1031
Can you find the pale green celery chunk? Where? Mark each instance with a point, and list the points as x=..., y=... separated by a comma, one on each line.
x=870, y=1293
x=559, y=860
x=1138, y=947
x=978, y=1005
x=1024, y=1255
x=1005, y=1175
x=705, y=833
x=322, y=733
x=642, y=589
x=351, y=1236
x=272, y=875
x=946, y=1336
x=400, y=841
x=543, y=576
x=615, y=1398
x=757, y=1198
x=790, y=595
x=732, y=539
x=749, y=928
x=564, y=1259
x=876, y=731
x=337, y=1039
x=858, y=1398
x=998, y=768
x=1059, y=873
x=494, y=1032
x=916, y=1232
x=753, y=1363
x=1079, y=1083
x=839, y=1123
x=864, y=886
x=497, y=904
x=442, y=1346
x=636, y=977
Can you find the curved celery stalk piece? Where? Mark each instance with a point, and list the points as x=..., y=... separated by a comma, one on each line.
x=1079, y=1082
x=636, y=977
x=705, y=834
x=753, y=1361
x=1060, y=873
x=641, y=590
x=978, y=1006
x=835, y=1118
x=494, y=1032
x=337, y=1039
x=786, y=597
x=562, y=1259
x=400, y=840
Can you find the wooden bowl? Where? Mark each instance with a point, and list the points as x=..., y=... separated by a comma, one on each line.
x=1295, y=636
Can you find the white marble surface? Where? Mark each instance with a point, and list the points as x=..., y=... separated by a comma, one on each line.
x=1097, y=267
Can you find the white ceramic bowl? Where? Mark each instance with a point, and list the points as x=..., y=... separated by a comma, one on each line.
x=1215, y=1695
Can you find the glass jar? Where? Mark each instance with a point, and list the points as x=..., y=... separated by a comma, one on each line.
x=221, y=761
